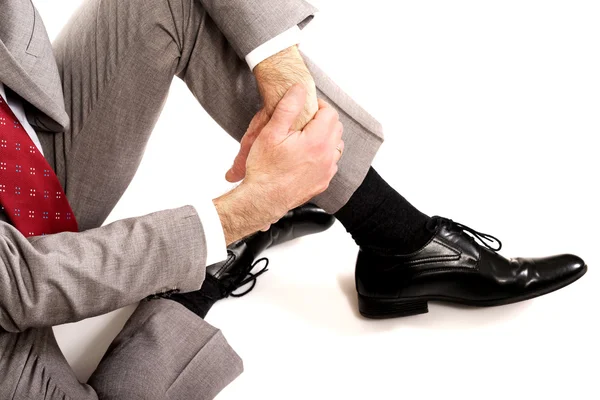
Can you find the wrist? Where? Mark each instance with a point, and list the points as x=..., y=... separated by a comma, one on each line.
x=245, y=210
x=278, y=73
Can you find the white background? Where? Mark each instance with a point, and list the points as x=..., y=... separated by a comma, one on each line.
x=491, y=112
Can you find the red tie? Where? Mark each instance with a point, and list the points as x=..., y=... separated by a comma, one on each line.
x=30, y=193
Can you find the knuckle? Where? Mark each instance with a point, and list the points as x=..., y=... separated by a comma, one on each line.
x=334, y=171
x=327, y=114
x=322, y=187
x=336, y=114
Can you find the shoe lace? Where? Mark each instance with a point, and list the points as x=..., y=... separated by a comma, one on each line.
x=484, y=238
x=250, y=277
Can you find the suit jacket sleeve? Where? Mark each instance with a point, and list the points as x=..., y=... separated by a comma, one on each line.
x=66, y=277
x=249, y=23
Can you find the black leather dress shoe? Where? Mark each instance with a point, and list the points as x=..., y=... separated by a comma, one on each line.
x=224, y=278
x=236, y=270
x=454, y=268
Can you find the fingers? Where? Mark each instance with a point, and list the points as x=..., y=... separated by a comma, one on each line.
x=337, y=138
x=339, y=150
x=288, y=109
x=322, y=103
x=325, y=121
x=327, y=115
x=327, y=129
x=339, y=131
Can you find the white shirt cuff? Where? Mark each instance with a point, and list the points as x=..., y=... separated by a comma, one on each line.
x=280, y=42
x=216, y=247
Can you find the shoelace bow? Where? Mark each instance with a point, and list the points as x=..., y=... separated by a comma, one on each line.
x=251, y=277
x=484, y=238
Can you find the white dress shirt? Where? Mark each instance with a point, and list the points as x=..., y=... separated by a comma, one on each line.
x=280, y=42
x=17, y=108
x=216, y=247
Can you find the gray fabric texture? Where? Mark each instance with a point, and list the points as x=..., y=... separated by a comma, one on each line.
x=93, y=97
x=163, y=352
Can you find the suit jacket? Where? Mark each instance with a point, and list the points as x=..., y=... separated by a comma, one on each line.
x=66, y=277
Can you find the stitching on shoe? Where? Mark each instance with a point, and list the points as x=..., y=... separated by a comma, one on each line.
x=457, y=255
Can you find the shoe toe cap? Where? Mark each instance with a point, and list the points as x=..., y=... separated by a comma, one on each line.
x=571, y=264
x=561, y=267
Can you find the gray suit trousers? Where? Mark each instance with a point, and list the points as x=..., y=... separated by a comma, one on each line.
x=116, y=60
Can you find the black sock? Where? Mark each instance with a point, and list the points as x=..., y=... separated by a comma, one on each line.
x=379, y=218
x=200, y=301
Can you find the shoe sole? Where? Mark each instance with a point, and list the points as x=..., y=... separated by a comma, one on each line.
x=375, y=308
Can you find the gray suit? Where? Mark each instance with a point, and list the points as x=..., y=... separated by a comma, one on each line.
x=93, y=97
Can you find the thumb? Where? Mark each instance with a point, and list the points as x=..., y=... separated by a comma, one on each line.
x=288, y=109
x=238, y=170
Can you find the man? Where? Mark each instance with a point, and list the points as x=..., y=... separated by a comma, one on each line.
x=89, y=104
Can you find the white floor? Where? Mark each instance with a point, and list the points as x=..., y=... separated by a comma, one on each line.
x=491, y=115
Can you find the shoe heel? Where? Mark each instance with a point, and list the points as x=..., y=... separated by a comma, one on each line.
x=371, y=307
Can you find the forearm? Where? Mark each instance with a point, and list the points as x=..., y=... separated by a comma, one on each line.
x=54, y=279
x=246, y=210
x=277, y=74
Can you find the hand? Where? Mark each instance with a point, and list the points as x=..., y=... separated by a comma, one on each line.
x=292, y=166
x=284, y=168
x=275, y=76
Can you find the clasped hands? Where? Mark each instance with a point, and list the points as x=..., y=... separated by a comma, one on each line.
x=292, y=166
x=281, y=167
x=289, y=153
